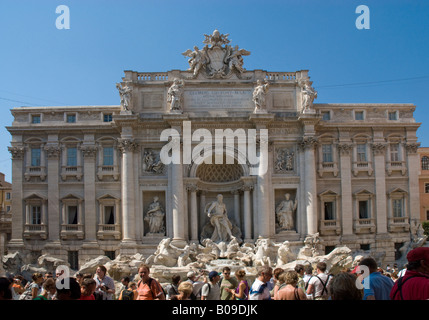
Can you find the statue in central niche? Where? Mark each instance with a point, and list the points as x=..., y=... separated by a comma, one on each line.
x=219, y=220
x=284, y=212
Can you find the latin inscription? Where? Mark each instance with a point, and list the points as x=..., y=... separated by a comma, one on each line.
x=223, y=99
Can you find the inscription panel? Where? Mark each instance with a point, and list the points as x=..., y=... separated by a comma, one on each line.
x=220, y=99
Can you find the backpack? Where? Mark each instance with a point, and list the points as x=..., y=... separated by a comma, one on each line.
x=127, y=294
x=401, y=282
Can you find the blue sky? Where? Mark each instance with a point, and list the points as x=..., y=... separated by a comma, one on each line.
x=41, y=65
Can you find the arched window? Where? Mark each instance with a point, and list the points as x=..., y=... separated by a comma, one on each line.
x=425, y=163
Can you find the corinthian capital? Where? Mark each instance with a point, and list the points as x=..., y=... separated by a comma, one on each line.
x=53, y=151
x=412, y=147
x=17, y=152
x=308, y=142
x=127, y=145
x=89, y=151
x=379, y=148
x=345, y=148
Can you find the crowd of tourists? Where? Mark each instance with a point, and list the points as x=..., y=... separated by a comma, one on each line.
x=302, y=283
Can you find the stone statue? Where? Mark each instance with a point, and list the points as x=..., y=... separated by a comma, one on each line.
x=219, y=220
x=284, y=254
x=259, y=95
x=198, y=59
x=152, y=163
x=174, y=95
x=125, y=94
x=284, y=213
x=155, y=217
x=233, y=58
x=308, y=96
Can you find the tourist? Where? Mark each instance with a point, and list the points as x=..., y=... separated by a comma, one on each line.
x=290, y=291
x=5, y=289
x=211, y=290
x=68, y=289
x=173, y=288
x=36, y=286
x=87, y=289
x=274, y=281
x=280, y=284
x=242, y=290
x=49, y=290
x=185, y=290
x=125, y=282
x=79, y=278
x=227, y=284
x=193, y=278
x=343, y=287
x=105, y=288
x=17, y=287
x=414, y=285
x=379, y=285
x=318, y=285
x=148, y=288
x=260, y=289
x=300, y=270
x=308, y=273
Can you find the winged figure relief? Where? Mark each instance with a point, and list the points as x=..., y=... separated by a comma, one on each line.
x=197, y=59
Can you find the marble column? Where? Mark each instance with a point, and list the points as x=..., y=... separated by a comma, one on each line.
x=247, y=212
x=379, y=150
x=236, y=194
x=310, y=188
x=17, y=153
x=127, y=147
x=345, y=150
x=53, y=152
x=194, y=212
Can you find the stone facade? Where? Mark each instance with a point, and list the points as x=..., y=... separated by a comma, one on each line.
x=424, y=183
x=84, y=177
x=5, y=213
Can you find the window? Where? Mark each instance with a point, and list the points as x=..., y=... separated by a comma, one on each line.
x=392, y=115
x=7, y=195
x=359, y=115
x=327, y=152
x=394, y=152
x=398, y=253
x=427, y=214
x=326, y=115
x=425, y=163
x=73, y=259
x=35, y=157
x=8, y=208
x=426, y=187
x=361, y=152
x=71, y=118
x=398, y=208
x=364, y=209
x=36, y=214
x=365, y=247
x=107, y=117
x=35, y=118
x=108, y=156
x=109, y=215
x=329, y=210
x=71, y=157
x=110, y=254
x=329, y=249
x=72, y=214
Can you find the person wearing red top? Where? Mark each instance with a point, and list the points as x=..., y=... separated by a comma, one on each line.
x=414, y=285
x=148, y=288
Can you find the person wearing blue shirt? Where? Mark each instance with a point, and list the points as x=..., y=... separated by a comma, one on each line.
x=379, y=285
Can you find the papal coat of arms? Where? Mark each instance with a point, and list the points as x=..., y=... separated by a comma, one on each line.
x=217, y=59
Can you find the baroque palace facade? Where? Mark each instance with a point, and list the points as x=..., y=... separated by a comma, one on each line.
x=91, y=180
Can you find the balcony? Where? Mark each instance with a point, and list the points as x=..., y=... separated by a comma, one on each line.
x=362, y=166
x=72, y=231
x=399, y=224
x=35, y=171
x=325, y=167
x=392, y=166
x=71, y=171
x=109, y=231
x=35, y=231
x=104, y=171
x=364, y=226
x=330, y=227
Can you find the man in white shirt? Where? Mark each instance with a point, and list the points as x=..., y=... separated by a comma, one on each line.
x=318, y=284
x=260, y=289
x=211, y=290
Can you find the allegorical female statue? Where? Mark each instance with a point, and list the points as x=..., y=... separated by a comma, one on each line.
x=284, y=213
x=155, y=217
